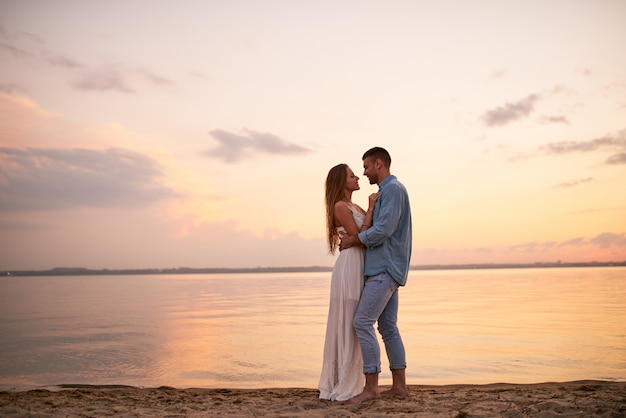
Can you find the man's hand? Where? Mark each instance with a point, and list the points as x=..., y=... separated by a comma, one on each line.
x=348, y=241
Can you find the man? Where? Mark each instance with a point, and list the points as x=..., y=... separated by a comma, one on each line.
x=388, y=253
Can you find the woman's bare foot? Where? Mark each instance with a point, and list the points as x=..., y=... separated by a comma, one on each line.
x=366, y=395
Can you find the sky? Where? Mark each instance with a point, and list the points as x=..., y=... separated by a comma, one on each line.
x=166, y=134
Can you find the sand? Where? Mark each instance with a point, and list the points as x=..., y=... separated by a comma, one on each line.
x=570, y=399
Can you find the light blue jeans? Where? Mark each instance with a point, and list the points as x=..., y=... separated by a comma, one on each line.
x=379, y=302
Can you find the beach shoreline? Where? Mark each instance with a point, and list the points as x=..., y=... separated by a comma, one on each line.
x=589, y=398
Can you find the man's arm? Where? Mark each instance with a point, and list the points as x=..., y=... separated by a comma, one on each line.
x=348, y=241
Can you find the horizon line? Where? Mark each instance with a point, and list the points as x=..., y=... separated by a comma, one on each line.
x=190, y=270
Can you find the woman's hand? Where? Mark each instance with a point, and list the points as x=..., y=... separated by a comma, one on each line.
x=372, y=200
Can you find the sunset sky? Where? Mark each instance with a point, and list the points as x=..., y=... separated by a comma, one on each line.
x=161, y=134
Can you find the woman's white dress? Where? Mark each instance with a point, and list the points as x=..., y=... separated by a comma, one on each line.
x=342, y=369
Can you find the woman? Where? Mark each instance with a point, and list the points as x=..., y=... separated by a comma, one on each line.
x=342, y=370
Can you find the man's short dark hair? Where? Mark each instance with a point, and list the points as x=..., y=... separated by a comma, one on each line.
x=378, y=153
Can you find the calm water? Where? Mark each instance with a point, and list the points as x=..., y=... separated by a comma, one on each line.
x=267, y=330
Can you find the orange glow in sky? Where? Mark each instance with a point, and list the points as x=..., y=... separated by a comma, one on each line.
x=199, y=134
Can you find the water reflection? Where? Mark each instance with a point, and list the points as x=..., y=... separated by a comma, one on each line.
x=518, y=325
x=262, y=330
x=248, y=331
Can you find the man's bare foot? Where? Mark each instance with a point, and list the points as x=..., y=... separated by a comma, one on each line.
x=366, y=395
x=398, y=392
x=398, y=385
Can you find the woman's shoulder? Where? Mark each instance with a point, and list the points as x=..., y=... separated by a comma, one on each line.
x=342, y=206
x=348, y=207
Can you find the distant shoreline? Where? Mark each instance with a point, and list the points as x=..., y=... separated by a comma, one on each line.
x=81, y=271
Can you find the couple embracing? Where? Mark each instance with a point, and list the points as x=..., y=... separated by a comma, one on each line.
x=375, y=251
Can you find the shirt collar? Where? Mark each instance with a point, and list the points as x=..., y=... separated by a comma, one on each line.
x=387, y=179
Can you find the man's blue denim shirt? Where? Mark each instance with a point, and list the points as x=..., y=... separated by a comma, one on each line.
x=389, y=239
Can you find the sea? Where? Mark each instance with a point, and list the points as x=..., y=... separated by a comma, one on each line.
x=262, y=330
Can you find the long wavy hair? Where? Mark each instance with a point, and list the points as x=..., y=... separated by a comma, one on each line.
x=335, y=189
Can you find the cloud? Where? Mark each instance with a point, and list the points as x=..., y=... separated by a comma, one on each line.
x=479, y=250
x=578, y=241
x=510, y=112
x=106, y=78
x=28, y=47
x=11, y=88
x=63, y=61
x=603, y=240
x=236, y=147
x=553, y=119
x=574, y=183
x=615, y=141
x=56, y=60
x=566, y=147
x=55, y=179
x=533, y=247
x=10, y=35
x=155, y=79
x=14, y=51
x=619, y=158
x=497, y=74
x=112, y=78
x=23, y=226
x=103, y=79
x=607, y=239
